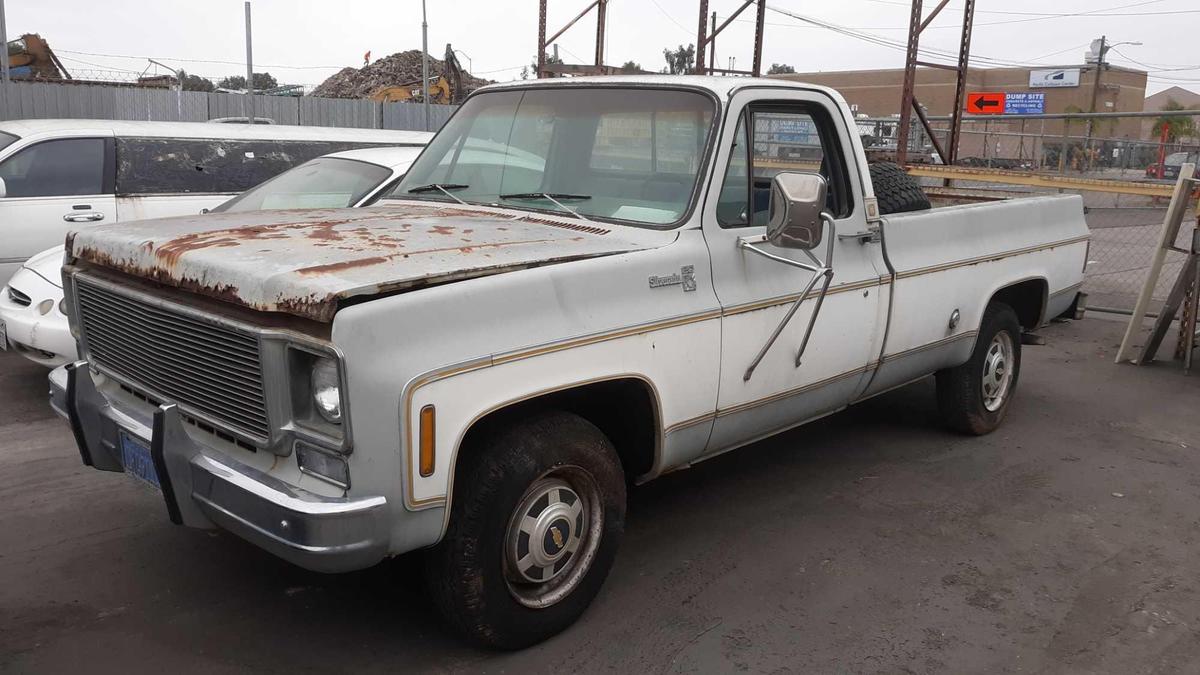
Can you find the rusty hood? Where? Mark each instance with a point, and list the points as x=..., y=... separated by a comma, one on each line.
x=305, y=262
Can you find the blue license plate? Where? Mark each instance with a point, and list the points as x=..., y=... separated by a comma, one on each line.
x=135, y=455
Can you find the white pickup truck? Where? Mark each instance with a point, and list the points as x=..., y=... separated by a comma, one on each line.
x=650, y=271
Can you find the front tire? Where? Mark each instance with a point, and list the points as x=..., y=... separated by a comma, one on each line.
x=534, y=527
x=973, y=398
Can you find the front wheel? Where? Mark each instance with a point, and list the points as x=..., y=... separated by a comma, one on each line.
x=534, y=526
x=973, y=398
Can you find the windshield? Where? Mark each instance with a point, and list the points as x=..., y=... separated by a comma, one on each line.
x=325, y=182
x=621, y=154
x=7, y=139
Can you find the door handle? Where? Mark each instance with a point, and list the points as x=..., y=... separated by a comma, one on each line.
x=83, y=217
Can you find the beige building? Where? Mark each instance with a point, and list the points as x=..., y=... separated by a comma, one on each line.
x=876, y=93
x=1185, y=97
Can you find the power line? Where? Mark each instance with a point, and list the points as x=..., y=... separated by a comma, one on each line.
x=671, y=18
x=1152, y=69
x=183, y=60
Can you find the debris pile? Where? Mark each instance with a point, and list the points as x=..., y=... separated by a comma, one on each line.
x=398, y=69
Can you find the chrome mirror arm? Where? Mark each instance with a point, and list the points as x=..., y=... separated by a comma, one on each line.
x=819, y=271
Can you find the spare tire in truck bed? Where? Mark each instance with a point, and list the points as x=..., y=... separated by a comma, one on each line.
x=896, y=191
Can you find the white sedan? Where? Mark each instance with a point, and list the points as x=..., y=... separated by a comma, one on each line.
x=32, y=322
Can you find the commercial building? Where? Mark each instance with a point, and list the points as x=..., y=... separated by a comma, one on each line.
x=877, y=93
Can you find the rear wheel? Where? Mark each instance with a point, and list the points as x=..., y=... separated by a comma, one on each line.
x=534, y=528
x=974, y=397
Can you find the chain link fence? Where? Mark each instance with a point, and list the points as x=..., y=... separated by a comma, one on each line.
x=1118, y=164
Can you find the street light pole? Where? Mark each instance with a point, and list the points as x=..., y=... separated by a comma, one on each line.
x=1104, y=47
x=425, y=64
x=178, y=87
x=249, y=69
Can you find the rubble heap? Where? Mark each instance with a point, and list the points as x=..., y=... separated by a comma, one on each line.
x=398, y=69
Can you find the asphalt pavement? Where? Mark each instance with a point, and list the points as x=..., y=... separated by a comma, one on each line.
x=872, y=541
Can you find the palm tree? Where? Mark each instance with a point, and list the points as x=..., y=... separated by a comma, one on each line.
x=1176, y=126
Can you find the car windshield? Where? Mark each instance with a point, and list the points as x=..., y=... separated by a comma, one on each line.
x=1176, y=158
x=629, y=155
x=325, y=182
x=7, y=139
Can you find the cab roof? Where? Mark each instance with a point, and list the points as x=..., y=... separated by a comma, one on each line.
x=722, y=87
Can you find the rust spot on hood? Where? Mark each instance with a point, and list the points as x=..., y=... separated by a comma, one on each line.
x=379, y=259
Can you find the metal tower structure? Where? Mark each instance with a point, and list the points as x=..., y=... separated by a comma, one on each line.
x=908, y=101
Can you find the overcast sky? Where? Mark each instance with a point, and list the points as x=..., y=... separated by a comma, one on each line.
x=303, y=42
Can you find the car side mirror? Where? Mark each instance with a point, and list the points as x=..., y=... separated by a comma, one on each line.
x=795, y=218
x=3, y=189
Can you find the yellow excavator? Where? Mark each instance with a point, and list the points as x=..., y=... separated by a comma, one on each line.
x=447, y=88
x=30, y=58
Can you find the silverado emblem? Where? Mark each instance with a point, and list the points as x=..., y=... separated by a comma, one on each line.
x=686, y=278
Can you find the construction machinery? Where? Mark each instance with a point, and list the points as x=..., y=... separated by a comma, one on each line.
x=30, y=58
x=447, y=88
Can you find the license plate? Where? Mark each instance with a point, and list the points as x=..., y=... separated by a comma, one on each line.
x=135, y=455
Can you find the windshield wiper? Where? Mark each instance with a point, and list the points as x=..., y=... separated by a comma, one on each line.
x=445, y=189
x=544, y=195
x=554, y=197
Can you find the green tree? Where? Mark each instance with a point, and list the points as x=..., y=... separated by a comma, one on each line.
x=680, y=61
x=631, y=67
x=1177, y=127
x=195, y=82
x=780, y=69
x=261, y=81
x=551, y=59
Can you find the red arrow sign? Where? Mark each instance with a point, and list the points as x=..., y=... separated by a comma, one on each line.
x=985, y=103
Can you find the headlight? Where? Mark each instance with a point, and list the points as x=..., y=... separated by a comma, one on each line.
x=45, y=306
x=326, y=390
x=62, y=306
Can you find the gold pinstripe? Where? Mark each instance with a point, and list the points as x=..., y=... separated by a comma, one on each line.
x=707, y=315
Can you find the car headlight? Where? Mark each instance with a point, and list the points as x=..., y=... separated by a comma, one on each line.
x=45, y=306
x=62, y=306
x=326, y=389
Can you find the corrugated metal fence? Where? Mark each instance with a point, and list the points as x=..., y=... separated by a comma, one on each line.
x=36, y=100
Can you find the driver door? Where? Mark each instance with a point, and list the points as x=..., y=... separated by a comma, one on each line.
x=790, y=131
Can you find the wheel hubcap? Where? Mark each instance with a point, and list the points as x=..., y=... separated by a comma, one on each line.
x=552, y=537
x=997, y=371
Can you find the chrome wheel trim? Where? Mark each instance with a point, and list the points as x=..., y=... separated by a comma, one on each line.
x=998, y=364
x=552, y=537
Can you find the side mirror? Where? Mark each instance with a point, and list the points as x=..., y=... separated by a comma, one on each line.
x=3, y=189
x=794, y=218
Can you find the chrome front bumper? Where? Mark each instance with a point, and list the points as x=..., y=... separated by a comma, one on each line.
x=202, y=487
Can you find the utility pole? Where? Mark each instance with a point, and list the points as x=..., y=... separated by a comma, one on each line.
x=712, y=46
x=3, y=47
x=425, y=64
x=1095, y=95
x=249, y=70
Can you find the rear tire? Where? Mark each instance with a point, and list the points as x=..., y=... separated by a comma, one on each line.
x=973, y=398
x=896, y=191
x=536, y=520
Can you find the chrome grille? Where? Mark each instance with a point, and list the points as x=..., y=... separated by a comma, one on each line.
x=18, y=297
x=212, y=371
